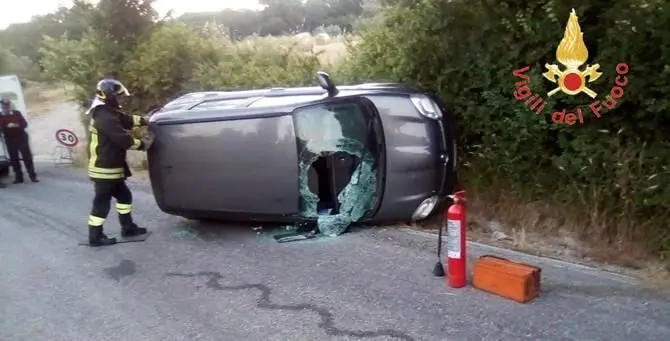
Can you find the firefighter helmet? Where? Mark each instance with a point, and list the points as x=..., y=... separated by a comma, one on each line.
x=109, y=90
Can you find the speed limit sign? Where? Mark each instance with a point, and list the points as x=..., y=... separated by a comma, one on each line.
x=66, y=138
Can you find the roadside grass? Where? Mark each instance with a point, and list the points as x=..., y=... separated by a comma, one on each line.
x=41, y=97
x=535, y=227
x=544, y=229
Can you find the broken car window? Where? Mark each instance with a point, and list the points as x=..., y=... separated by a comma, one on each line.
x=338, y=171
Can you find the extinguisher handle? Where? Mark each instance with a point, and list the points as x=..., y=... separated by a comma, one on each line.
x=458, y=197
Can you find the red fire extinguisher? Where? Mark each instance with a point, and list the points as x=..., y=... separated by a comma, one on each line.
x=456, y=241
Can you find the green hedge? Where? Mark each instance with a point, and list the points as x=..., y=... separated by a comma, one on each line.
x=609, y=176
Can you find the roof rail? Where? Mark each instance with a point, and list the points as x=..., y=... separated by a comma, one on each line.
x=222, y=98
x=274, y=92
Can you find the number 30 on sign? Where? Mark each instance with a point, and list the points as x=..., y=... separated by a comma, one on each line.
x=66, y=138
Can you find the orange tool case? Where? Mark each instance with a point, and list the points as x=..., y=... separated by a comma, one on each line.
x=516, y=281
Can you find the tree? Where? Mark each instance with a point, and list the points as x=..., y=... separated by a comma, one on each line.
x=23, y=40
x=288, y=17
x=116, y=28
x=282, y=16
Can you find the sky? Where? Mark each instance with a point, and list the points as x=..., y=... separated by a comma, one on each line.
x=23, y=10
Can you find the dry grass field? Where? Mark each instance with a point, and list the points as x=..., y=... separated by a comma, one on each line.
x=40, y=98
x=330, y=49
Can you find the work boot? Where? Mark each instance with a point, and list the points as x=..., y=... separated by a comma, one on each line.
x=2, y=185
x=97, y=238
x=132, y=230
x=34, y=179
x=18, y=180
x=128, y=227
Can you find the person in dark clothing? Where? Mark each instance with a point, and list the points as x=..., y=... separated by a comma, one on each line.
x=13, y=126
x=110, y=138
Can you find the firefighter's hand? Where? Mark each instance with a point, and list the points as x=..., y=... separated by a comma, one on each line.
x=147, y=141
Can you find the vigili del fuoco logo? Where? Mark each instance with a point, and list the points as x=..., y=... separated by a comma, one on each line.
x=572, y=80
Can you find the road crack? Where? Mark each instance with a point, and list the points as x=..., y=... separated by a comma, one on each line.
x=327, y=323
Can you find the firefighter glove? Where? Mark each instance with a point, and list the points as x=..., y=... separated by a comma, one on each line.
x=147, y=141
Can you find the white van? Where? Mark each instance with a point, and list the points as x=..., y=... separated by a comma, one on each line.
x=10, y=87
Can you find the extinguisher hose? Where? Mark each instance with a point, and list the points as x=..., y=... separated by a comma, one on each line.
x=438, y=269
x=439, y=244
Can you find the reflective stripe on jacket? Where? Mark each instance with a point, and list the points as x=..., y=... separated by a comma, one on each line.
x=110, y=138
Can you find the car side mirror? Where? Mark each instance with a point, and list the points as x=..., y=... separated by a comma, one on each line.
x=327, y=84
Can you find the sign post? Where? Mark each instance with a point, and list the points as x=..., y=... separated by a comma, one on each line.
x=68, y=140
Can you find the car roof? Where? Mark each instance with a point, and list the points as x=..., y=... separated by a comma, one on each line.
x=250, y=102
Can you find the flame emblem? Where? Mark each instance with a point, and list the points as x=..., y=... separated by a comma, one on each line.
x=572, y=53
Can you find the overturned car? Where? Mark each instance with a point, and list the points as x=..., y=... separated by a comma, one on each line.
x=327, y=155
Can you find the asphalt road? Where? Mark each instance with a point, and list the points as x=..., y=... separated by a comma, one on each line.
x=195, y=281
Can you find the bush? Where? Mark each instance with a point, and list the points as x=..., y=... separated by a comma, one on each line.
x=608, y=178
x=23, y=66
x=259, y=63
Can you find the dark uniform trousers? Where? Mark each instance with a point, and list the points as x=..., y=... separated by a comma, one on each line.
x=105, y=190
x=22, y=146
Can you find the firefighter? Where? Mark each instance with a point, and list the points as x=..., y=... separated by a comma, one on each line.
x=13, y=126
x=110, y=138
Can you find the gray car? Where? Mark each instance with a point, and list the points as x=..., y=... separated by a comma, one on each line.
x=327, y=155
